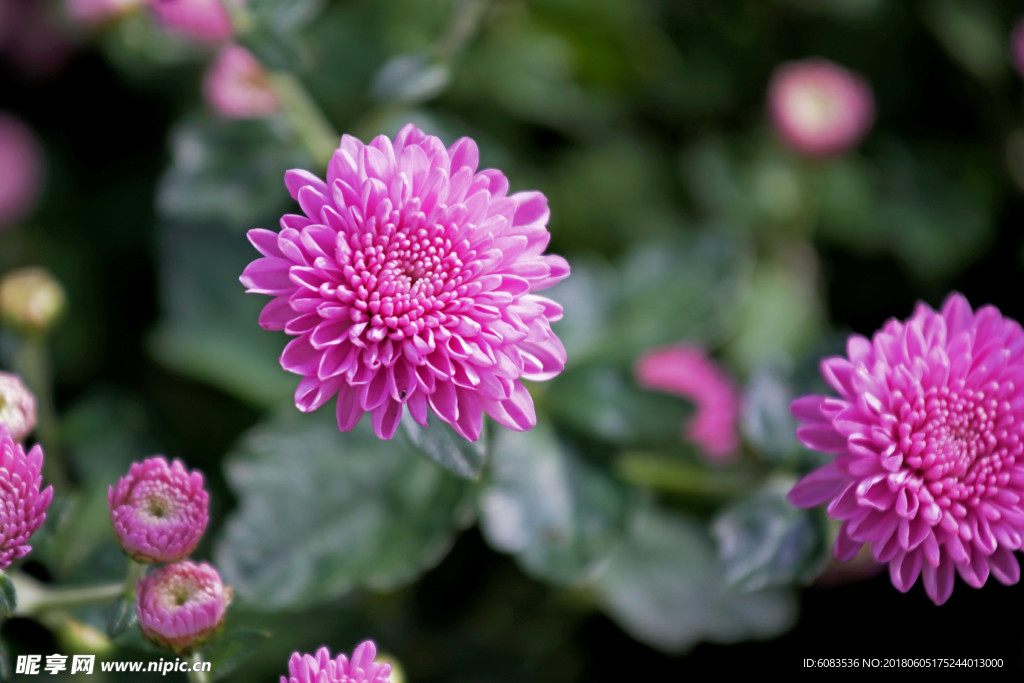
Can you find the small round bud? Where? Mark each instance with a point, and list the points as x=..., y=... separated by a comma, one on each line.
x=17, y=406
x=32, y=301
x=181, y=606
x=159, y=510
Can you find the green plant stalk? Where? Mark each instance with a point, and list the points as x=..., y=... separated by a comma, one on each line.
x=195, y=674
x=35, y=598
x=32, y=361
x=673, y=476
x=308, y=121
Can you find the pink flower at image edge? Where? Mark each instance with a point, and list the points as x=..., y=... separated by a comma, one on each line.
x=927, y=436
x=688, y=372
x=21, y=167
x=23, y=502
x=203, y=20
x=322, y=668
x=410, y=282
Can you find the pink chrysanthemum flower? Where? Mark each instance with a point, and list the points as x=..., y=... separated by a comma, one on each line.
x=203, y=20
x=236, y=86
x=159, y=510
x=17, y=406
x=21, y=170
x=927, y=432
x=688, y=372
x=320, y=668
x=410, y=282
x=819, y=108
x=181, y=606
x=22, y=502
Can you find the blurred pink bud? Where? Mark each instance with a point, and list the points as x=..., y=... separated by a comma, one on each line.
x=687, y=371
x=207, y=21
x=236, y=86
x=819, y=108
x=17, y=406
x=21, y=170
x=1017, y=46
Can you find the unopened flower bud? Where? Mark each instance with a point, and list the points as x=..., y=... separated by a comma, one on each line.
x=32, y=301
x=17, y=406
x=181, y=606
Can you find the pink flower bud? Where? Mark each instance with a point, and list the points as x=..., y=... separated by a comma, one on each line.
x=21, y=170
x=236, y=86
x=181, y=606
x=17, y=406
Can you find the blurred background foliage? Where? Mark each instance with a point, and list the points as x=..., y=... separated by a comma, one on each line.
x=601, y=543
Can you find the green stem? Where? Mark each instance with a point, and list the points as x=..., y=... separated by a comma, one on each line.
x=136, y=570
x=33, y=364
x=309, y=122
x=673, y=476
x=465, y=22
x=35, y=598
x=195, y=673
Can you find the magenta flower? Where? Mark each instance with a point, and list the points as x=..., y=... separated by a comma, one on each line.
x=17, y=406
x=159, y=510
x=203, y=20
x=819, y=108
x=927, y=432
x=1017, y=46
x=410, y=282
x=22, y=503
x=181, y=606
x=236, y=86
x=688, y=372
x=21, y=170
x=320, y=668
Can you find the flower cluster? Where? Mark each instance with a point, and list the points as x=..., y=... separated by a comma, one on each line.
x=687, y=371
x=23, y=502
x=321, y=668
x=159, y=510
x=819, y=108
x=928, y=434
x=410, y=282
x=181, y=606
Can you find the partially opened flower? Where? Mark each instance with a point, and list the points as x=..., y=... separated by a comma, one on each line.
x=181, y=606
x=687, y=371
x=410, y=282
x=159, y=510
x=321, y=668
x=23, y=502
x=17, y=406
x=202, y=20
x=21, y=170
x=237, y=86
x=927, y=432
x=819, y=108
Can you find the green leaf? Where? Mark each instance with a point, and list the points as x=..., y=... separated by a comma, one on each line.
x=231, y=649
x=410, y=79
x=765, y=541
x=210, y=329
x=664, y=587
x=971, y=34
x=122, y=615
x=766, y=422
x=322, y=512
x=228, y=173
x=439, y=442
x=8, y=595
x=558, y=514
x=286, y=15
x=278, y=50
x=603, y=402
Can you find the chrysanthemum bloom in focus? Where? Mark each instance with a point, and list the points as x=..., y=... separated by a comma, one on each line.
x=21, y=170
x=687, y=371
x=159, y=510
x=202, y=20
x=236, y=86
x=927, y=432
x=17, y=406
x=819, y=108
x=97, y=12
x=410, y=282
x=22, y=501
x=180, y=606
x=320, y=668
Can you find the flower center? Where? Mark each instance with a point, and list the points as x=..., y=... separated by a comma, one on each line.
x=400, y=279
x=157, y=500
x=962, y=443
